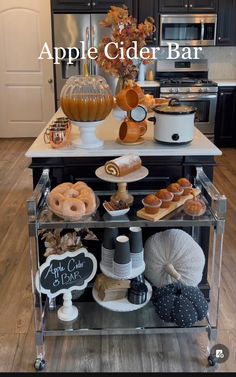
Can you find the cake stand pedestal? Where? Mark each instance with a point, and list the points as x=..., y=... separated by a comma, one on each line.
x=87, y=138
x=122, y=191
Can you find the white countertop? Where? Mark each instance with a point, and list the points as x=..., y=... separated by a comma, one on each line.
x=148, y=84
x=109, y=130
x=228, y=82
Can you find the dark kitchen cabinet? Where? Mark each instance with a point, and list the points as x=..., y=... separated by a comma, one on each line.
x=104, y=5
x=178, y=6
x=226, y=24
x=188, y=6
x=225, y=124
x=70, y=6
x=144, y=9
x=98, y=6
x=153, y=90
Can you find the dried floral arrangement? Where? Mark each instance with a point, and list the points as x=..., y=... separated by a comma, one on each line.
x=56, y=243
x=125, y=31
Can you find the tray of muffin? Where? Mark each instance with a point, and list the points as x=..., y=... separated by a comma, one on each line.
x=181, y=193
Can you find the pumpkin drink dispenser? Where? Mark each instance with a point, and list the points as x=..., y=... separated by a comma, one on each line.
x=86, y=101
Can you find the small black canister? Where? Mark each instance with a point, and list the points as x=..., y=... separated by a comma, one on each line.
x=137, y=293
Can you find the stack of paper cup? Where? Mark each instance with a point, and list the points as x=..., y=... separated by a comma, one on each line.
x=136, y=246
x=108, y=246
x=122, y=265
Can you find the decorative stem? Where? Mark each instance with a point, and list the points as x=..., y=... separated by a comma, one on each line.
x=169, y=268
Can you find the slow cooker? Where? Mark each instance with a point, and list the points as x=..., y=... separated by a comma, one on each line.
x=174, y=123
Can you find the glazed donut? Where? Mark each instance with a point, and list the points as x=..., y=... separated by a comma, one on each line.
x=89, y=200
x=86, y=191
x=63, y=187
x=79, y=185
x=55, y=201
x=72, y=201
x=73, y=208
x=71, y=193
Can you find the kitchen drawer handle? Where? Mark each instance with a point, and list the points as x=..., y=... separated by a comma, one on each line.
x=89, y=4
x=219, y=38
x=190, y=5
x=186, y=5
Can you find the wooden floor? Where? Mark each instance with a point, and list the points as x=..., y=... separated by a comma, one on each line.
x=152, y=353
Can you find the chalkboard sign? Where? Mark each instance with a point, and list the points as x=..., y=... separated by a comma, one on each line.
x=67, y=272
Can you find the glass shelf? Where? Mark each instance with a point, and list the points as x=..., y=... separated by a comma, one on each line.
x=47, y=220
x=103, y=321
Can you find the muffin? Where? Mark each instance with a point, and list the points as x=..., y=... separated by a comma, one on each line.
x=194, y=207
x=151, y=204
x=187, y=186
x=177, y=190
x=165, y=196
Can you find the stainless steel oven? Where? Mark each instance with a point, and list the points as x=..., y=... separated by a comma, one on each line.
x=188, y=29
x=188, y=81
x=205, y=104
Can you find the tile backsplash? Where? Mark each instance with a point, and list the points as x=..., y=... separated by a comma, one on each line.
x=221, y=61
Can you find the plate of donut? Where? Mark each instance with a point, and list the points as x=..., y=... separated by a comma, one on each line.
x=72, y=202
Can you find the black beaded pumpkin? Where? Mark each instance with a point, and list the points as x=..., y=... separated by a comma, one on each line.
x=183, y=305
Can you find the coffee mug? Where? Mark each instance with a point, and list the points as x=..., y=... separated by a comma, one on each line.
x=57, y=136
x=130, y=131
x=63, y=121
x=127, y=99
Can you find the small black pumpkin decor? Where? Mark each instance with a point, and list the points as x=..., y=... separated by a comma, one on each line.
x=181, y=304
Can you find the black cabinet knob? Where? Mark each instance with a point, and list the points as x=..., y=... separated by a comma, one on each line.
x=175, y=137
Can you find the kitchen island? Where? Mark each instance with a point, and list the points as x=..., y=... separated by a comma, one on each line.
x=171, y=161
x=166, y=164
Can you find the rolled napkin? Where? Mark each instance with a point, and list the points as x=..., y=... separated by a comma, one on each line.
x=123, y=165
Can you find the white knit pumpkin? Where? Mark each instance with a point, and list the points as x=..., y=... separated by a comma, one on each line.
x=173, y=255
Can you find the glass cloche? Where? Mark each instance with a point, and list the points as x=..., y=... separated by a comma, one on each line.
x=86, y=98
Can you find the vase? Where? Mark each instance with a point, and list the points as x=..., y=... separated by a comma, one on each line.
x=141, y=74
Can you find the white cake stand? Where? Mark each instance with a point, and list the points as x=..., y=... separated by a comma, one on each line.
x=87, y=138
x=122, y=305
x=135, y=272
x=122, y=192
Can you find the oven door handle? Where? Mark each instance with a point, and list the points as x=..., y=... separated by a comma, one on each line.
x=194, y=98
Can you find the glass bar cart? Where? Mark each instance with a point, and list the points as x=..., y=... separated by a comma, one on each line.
x=144, y=320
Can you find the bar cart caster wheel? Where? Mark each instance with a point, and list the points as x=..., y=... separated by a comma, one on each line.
x=39, y=364
x=211, y=361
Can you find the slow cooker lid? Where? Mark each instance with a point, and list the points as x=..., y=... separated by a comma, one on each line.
x=174, y=109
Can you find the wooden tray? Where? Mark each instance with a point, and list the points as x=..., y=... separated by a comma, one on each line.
x=165, y=211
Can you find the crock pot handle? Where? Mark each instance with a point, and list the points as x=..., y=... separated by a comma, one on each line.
x=174, y=102
x=152, y=119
